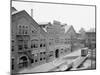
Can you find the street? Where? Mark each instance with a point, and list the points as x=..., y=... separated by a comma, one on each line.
x=63, y=63
x=52, y=65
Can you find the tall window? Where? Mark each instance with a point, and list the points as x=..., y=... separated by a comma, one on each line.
x=20, y=44
x=12, y=45
x=12, y=48
x=26, y=44
x=19, y=29
x=42, y=43
x=26, y=30
x=12, y=64
x=20, y=47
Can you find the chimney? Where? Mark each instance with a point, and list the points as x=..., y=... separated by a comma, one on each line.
x=32, y=13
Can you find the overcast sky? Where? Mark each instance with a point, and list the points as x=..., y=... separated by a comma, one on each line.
x=78, y=16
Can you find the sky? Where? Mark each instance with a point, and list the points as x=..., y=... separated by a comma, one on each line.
x=77, y=16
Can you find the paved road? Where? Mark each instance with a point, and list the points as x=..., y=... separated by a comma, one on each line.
x=51, y=65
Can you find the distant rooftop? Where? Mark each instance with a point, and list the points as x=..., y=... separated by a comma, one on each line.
x=91, y=30
x=13, y=9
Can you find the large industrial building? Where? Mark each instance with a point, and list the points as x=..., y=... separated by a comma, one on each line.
x=33, y=44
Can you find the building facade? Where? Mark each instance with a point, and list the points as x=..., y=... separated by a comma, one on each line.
x=28, y=42
x=32, y=46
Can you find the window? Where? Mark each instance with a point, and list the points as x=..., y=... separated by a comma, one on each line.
x=31, y=46
x=51, y=54
x=41, y=53
x=34, y=46
x=44, y=45
x=35, y=60
x=44, y=58
x=25, y=31
x=20, y=47
x=49, y=43
x=12, y=41
x=40, y=58
x=62, y=49
x=32, y=31
x=25, y=46
x=12, y=48
x=40, y=45
x=19, y=29
x=44, y=52
x=34, y=43
x=12, y=64
x=26, y=27
x=32, y=60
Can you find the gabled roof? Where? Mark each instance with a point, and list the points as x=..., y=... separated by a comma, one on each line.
x=70, y=30
x=34, y=23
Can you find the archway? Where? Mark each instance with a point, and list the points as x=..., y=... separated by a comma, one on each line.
x=23, y=61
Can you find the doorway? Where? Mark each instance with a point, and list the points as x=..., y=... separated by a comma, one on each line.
x=23, y=62
x=57, y=53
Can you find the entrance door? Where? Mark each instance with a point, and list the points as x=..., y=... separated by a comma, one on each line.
x=57, y=53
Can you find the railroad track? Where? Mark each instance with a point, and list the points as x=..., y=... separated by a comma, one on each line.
x=77, y=62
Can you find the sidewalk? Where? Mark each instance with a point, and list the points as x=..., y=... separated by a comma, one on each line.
x=51, y=65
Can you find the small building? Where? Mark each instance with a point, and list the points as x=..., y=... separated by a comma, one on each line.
x=87, y=38
x=90, y=41
x=71, y=37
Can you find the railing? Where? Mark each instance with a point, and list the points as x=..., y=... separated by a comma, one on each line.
x=78, y=61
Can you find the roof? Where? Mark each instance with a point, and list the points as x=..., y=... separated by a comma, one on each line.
x=15, y=12
x=13, y=9
x=43, y=23
x=34, y=23
x=67, y=28
x=90, y=32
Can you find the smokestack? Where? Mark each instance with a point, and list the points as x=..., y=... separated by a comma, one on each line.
x=32, y=13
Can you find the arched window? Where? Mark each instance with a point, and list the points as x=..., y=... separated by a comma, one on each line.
x=34, y=43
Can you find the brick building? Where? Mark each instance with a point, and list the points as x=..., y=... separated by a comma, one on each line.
x=33, y=44
x=28, y=42
x=90, y=40
x=87, y=38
